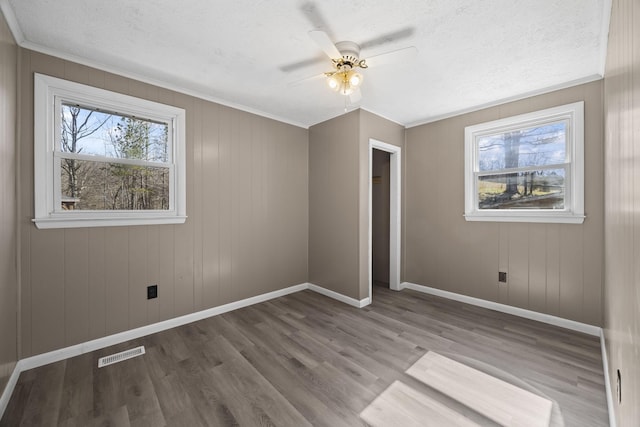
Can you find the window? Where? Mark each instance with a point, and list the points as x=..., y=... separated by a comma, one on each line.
x=103, y=158
x=527, y=168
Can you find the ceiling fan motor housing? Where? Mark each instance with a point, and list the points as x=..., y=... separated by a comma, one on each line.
x=350, y=52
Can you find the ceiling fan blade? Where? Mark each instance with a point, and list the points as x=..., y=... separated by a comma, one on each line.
x=308, y=79
x=324, y=42
x=315, y=16
x=355, y=96
x=293, y=66
x=395, y=56
x=388, y=38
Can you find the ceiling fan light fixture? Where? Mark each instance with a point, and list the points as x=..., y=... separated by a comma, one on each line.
x=345, y=81
x=346, y=89
x=355, y=78
x=334, y=82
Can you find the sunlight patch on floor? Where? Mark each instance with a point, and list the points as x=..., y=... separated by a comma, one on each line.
x=401, y=405
x=495, y=399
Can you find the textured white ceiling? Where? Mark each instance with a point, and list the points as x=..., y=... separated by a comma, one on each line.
x=245, y=53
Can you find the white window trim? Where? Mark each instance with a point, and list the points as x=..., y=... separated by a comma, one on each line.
x=574, y=196
x=49, y=92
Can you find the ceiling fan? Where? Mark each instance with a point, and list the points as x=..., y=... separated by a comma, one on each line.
x=345, y=59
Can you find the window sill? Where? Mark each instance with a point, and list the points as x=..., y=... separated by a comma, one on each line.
x=94, y=221
x=558, y=218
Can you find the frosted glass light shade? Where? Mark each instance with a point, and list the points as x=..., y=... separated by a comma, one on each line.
x=355, y=78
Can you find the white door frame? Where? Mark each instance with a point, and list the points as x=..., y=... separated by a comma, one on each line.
x=394, y=213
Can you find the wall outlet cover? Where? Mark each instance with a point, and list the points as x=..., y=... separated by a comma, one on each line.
x=152, y=291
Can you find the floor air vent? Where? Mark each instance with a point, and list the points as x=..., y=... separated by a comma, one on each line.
x=119, y=357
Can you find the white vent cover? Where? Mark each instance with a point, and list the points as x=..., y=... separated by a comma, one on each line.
x=119, y=357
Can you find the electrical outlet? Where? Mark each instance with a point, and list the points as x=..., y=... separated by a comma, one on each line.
x=619, y=386
x=152, y=291
x=502, y=276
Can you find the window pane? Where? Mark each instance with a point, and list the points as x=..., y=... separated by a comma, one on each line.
x=534, y=146
x=92, y=132
x=88, y=185
x=543, y=189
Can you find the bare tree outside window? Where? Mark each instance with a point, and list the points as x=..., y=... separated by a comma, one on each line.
x=74, y=128
x=112, y=162
x=523, y=168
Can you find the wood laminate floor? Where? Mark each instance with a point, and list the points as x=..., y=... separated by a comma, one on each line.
x=305, y=359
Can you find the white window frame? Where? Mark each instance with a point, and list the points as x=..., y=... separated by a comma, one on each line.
x=573, y=212
x=49, y=94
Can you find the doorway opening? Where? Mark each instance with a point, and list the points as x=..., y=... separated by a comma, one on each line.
x=380, y=211
x=384, y=215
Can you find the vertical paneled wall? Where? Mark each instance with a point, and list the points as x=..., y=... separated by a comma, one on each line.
x=246, y=232
x=552, y=268
x=339, y=199
x=8, y=241
x=622, y=208
x=333, y=204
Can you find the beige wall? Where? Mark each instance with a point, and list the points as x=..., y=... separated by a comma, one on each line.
x=622, y=208
x=552, y=268
x=333, y=204
x=8, y=270
x=246, y=232
x=339, y=199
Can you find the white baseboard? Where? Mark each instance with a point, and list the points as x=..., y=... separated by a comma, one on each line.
x=607, y=382
x=88, y=346
x=342, y=298
x=533, y=315
x=504, y=308
x=8, y=389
